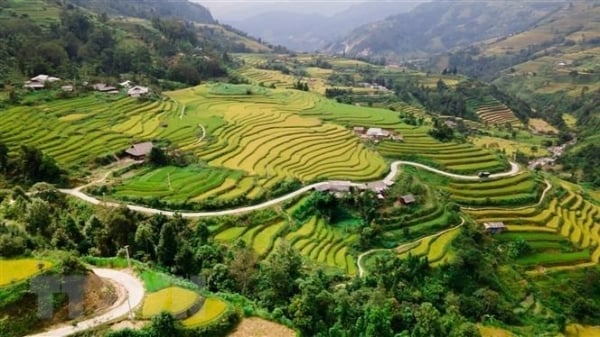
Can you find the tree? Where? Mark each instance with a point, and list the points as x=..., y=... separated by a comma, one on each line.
x=38, y=217
x=427, y=321
x=164, y=325
x=185, y=262
x=167, y=245
x=243, y=267
x=158, y=157
x=279, y=275
x=3, y=158
x=144, y=239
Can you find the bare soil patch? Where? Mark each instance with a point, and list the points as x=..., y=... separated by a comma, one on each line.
x=258, y=327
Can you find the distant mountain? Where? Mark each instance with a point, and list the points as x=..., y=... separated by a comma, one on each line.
x=310, y=32
x=439, y=26
x=148, y=9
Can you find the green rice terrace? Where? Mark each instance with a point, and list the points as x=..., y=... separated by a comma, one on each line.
x=246, y=141
x=493, y=112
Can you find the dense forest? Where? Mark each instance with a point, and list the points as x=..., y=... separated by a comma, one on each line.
x=84, y=45
x=399, y=297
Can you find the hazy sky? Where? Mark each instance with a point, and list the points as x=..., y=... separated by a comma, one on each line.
x=231, y=10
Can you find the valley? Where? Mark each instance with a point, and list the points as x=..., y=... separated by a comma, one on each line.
x=190, y=180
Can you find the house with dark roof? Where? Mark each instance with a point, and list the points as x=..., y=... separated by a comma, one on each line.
x=139, y=151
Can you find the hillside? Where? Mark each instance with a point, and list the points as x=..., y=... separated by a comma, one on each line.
x=439, y=26
x=554, y=67
x=68, y=41
x=313, y=31
x=148, y=9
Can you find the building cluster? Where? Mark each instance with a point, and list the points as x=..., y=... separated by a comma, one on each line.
x=40, y=82
x=341, y=188
x=132, y=90
x=377, y=134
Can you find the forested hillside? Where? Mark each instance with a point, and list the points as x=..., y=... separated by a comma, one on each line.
x=555, y=68
x=67, y=41
x=148, y=9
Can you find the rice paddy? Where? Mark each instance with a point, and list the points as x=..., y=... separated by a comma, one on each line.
x=563, y=230
x=12, y=271
x=492, y=112
x=436, y=248
x=185, y=305
x=211, y=310
x=173, y=300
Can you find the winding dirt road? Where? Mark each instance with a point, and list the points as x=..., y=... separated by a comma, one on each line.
x=134, y=294
x=388, y=180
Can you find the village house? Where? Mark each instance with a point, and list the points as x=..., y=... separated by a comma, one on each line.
x=34, y=85
x=483, y=174
x=494, y=227
x=139, y=151
x=359, y=130
x=138, y=91
x=67, y=88
x=408, y=199
x=39, y=82
x=376, y=133
x=44, y=79
x=126, y=84
x=103, y=87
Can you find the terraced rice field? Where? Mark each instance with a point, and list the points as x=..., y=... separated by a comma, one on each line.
x=492, y=112
x=522, y=189
x=436, y=247
x=508, y=146
x=12, y=271
x=261, y=138
x=173, y=300
x=569, y=217
x=264, y=137
x=211, y=310
x=77, y=131
x=324, y=244
x=320, y=243
x=178, y=184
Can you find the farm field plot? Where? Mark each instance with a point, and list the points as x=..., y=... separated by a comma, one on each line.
x=77, y=131
x=562, y=231
x=264, y=136
x=458, y=158
x=12, y=271
x=508, y=146
x=319, y=242
x=211, y=310
x=492, y=112
x=435, y=247
x=173, y=300
x=174, y=183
